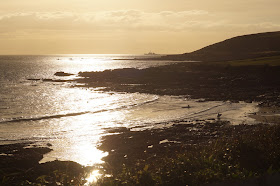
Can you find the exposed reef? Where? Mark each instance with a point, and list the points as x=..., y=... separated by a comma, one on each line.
x=63, y=74
x=212, y=81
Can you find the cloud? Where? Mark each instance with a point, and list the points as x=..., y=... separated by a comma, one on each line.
x=123, y=19
x=37, y=21
x=63, y=23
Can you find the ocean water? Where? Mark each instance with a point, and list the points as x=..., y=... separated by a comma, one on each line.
x=74, y=119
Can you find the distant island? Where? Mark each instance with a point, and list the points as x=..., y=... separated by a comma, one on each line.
x=150, y=54
x=237, y=48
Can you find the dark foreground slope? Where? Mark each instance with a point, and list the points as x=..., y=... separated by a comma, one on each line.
x=241, y=47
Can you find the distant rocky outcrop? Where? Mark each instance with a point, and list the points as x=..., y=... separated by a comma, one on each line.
x=236, y=48
x=62, y=74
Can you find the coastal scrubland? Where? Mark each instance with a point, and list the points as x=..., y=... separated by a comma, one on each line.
x=215, y=154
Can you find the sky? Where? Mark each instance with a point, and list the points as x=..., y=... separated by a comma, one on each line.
x=128, y=26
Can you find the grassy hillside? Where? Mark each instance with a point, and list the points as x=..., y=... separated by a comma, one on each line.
x=271, y=61
x=237, y=48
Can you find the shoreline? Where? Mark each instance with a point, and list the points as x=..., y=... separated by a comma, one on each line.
x=153, y=146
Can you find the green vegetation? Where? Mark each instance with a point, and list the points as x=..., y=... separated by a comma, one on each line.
x=247, y=156
x=271, y=61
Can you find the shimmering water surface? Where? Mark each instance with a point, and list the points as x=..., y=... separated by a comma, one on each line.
x=74, y=119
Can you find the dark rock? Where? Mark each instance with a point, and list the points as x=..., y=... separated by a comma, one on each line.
x=63, y=74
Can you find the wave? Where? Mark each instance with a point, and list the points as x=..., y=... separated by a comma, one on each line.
x=22, y=119
x=143, y=103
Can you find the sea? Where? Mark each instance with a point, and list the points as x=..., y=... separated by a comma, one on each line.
x=72, y=120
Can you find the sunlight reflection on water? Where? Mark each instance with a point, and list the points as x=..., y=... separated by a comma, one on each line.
x=93, y=177
x=80, y=117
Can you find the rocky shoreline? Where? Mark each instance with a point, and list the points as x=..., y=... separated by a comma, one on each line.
x=212, y=81
x=19, y=165
x=156, y=148
x=133, y=152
